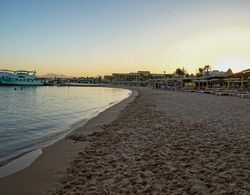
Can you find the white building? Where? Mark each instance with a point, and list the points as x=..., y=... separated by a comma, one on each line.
x=217, y=73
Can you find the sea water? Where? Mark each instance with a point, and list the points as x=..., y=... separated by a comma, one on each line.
x=34, y=117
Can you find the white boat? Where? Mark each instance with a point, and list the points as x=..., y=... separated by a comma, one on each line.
x=20, y=77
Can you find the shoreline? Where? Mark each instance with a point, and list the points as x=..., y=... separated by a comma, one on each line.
x=166, y=142
x=163, y=142
x=14, y=162
x=15, y=156
x=47, y=168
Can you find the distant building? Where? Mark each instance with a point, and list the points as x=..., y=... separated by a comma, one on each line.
x=158, y=76
x=229, y=72
x=120, y=76
x=108, y=78
x=217, y=73
x=133, y=76
x=144, y=73
x=241, y=74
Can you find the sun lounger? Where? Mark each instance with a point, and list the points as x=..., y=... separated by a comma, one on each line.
x=244, y=95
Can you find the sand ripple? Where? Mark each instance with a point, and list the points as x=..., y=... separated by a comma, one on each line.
x=149, y=151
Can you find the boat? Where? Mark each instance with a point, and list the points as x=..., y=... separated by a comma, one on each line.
x=20, y=77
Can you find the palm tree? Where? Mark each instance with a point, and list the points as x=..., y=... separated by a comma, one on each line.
x=207, y=68
x=180, y=72
x=201, y=71
x=184, y=71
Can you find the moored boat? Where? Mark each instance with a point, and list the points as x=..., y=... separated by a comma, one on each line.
x=20, y=77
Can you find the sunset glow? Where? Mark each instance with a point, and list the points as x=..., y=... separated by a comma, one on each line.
x=94, y=37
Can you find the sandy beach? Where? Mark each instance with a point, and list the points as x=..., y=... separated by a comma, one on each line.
x=163, y=142
x=45, y=172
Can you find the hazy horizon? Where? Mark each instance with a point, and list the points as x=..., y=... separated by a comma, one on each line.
x=94, y=37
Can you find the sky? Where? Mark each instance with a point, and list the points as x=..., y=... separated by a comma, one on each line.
x=99, y=37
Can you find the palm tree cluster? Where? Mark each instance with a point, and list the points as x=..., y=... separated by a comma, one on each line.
x=201, y=70
x=183, y=72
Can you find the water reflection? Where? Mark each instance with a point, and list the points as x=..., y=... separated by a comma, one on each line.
x=34, y=116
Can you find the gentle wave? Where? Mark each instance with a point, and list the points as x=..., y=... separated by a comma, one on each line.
x=38, y=116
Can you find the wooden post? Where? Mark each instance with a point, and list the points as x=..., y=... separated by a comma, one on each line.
x=241, y=86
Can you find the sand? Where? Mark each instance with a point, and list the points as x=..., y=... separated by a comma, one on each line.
x=164, y=142
x=45, y=172
x=167, y=143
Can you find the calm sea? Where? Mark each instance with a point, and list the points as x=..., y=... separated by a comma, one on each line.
x=34, y=117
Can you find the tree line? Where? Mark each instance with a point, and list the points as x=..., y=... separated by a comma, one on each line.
x=183, y=72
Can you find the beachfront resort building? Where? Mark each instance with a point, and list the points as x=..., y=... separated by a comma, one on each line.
x=133, y=76
x=217, y=73
x=214, y=82
x=209, y=81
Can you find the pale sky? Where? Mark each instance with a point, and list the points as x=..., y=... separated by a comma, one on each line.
x=98, y=37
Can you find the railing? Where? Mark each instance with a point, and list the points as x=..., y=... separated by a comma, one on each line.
x=16, y=71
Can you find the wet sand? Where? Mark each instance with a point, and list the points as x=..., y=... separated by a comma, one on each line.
x=163, y=142
x=167, y=143
x=45, y=172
